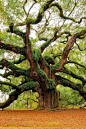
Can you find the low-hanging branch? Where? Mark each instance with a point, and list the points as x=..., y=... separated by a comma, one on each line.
x=12, y=96
x=9, y=84
x=15, y=93
x=74, y=75
x=63, y=16
x=73, y=62
x=7, y=74
x=66, y=82
x=17, y=71
x=15, y=49
x=18, y=32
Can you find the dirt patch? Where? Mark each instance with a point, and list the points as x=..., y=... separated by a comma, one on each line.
x=24, y=118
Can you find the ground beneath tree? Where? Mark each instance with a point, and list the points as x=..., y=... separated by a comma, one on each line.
x=62, y=119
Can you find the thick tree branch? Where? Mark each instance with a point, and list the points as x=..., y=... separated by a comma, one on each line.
x=9, y=84
x=75, y=76
x=65, y=17
x=44, y=7
x=17, y=71
x=15, y=49
x=76, y=63
x=14, y=95
x=48, y=42
x=68, y=47
x=66, y=82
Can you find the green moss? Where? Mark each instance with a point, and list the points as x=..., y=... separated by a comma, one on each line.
x=13, y=93
x=30, y=20
x=55, y=66
x=41, y=72
x=29, y=85
x=45, y=44
x=18, y=32
x=84, y=88
x=36, y=54
x=29, y=79
x=51, y=84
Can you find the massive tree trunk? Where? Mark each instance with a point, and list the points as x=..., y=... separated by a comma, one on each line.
x=48, y=99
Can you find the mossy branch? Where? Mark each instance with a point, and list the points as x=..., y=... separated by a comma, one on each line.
x=12, y=96
x=15, y=49
x=9, y=84
x=28, y=86
x=74, y=75
x=55, y=37
x=17, y=71
x=73, y=62
x=40, y=15
x=63, y=16
x=66, y=82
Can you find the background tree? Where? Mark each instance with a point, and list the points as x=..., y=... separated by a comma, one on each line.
x=44, y=46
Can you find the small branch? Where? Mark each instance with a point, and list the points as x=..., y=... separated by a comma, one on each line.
x=30, y=9
x=24, y=8
x=19, y=60
x=80, y=48
x=76, y=63
x=45, y=25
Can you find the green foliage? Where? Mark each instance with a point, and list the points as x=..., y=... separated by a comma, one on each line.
x=84, y=88
x=26, y=100
x=12, y=39
x=36, y=54
x=56, y=66
x=51, y=84
x=13, y=11
x=45, y=44
x=69, y=97
x=29, y=85
x=24, y=65
x=4, y=88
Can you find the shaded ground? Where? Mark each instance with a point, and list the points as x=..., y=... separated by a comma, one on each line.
x=62, y=119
